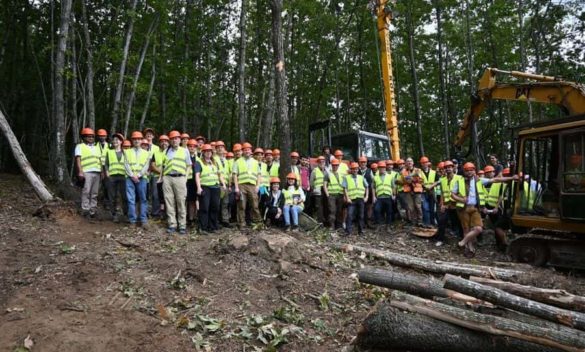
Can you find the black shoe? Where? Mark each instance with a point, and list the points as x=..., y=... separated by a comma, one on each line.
x=360, y=233
x=226, y=225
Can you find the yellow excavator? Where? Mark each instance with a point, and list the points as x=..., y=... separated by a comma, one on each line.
x=547, y=206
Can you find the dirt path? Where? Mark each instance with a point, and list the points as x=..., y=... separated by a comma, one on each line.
x=78, y=286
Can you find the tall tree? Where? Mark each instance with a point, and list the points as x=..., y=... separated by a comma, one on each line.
x=442, y=89
x=413, y=73
x=89, y=63
x=242, y=74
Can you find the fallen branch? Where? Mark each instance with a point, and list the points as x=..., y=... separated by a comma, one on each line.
x=510, y=301
x=555, y=297
x=431, y=266
x=563, y=338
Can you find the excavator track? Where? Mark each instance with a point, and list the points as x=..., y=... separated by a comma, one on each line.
x=542, y=247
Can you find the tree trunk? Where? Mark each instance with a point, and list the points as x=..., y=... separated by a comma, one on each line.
x=510, y=301
x=431, y=266
x=442, y=88
x=562, y=338
x=137, y=75
x=388, y=328
x=122, y=73
x=150, y=89
x=35, y=181
x=74, y=118
x=555, y=297
x=414, y=86
x=242, y=75
x=268, y=118
x=58, y=94
x=281, y=93
x=89, y=61
x=423, y=286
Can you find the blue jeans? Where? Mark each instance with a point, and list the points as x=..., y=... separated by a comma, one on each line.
x=429, y=208
x=383, y=211
x=293, y=210
x=355, y=209
x=132, y=191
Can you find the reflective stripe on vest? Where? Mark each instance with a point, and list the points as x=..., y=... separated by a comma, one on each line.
x=355, y=190
x=319, y=178
x=431, y=178
x=90, y=157
x=115, y=166
x=209, y=174
x=383, y=187
x=290, y=195
x=334, y=187
x=178, y=164
x=246, y=176
x=135, y=164
x=480, y=192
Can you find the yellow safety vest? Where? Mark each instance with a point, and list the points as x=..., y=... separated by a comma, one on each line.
x=446, y=187
x=289, y=196
x=265, y=175
x=103, y=151
x=209, y=174
x=136, y=164
x=383, y=187
x=334, y=186
x=355, y=189
x=159, y=157
x=115, y=166
x=176, y=165
x=431, y=178
x=528, y=196
x=319, y=178
x=90, y=157
x=246, y=176
x=480, y=192
x=495, y=192
x=343, y=169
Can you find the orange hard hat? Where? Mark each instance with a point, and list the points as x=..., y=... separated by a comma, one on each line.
x=399, y=161
x=191, y=142
x=294, y=155
x=468, y=166
x=448, y=163
x=441, y=165
x=506, y=171
x=237, y=147
x=219, y=143
x=148, y=129
x=381, y=164
x=424, y=160
x=338, y=153
x=102, y=133
x=480, y=172
x=212, y=143
x=136, y=135
x=246, y=146
x=119, y=136
x=163, y=137
x=354, y=165
x=87, y=132
x=174, y=134
x=258, y=151
x=206, y=148
x=145, y=141
x=489, y=168
x=185, y=135
x=200, y=138
x=268, y=152
x=276, y=152
x=274, y=180
x=374, y=166
x=229, y=155
x=126, y=144
x=291, y=175
x=335, y=162
x=363, y=159
x=321, y=158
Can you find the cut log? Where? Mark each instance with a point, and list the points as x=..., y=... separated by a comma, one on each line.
x=562, y=337
x=555, y=297
x=431, y=266
x=389, y=329
x=420, y=285
x=510, y=301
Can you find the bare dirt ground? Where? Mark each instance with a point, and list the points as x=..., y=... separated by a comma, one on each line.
x=70, y=285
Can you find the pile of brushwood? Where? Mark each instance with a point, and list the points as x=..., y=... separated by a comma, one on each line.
x=472, y=308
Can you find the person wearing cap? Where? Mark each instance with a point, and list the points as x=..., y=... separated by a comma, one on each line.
x=152, y=148
x=246, y=175
x=294, y=199
x=225, y=168
x=319, y=176
x=210, y=183
x=201, y=141
x=191, y=188
x=447, y=207
x=368, y=175
x=176, y=166
x=383, y=193
x=333, y=191
x=429, y=182
x=274, y=204
x=343, y=168
x=156, y=168
x=116, y=173
x=89, y=166
x=136, y=164
x=355, y=188
x=184, y=139
x=411, y=192
x=103, y=145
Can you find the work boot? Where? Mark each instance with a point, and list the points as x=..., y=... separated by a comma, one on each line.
x=115, y=218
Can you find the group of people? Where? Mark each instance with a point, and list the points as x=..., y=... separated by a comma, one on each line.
x=194, y=182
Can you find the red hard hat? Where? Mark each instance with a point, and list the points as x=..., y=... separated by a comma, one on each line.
x=374, y=166
x=126, y=144
x=294, y=155
x=424, y=160
x=381, y=164
x=268, y=152
x=229, y=155
x=87, y=132
x=506, y=171
x=185, y=135
x=338, y=153
x=276, y=152
x=102, y=133
x=191, y=142
x=441, y=165
x=258, y=151
x=354, y=165
x=136, y=135
x=237, y=147
x=363, y=159
x=399, y=161
x=480, y=172
x=468, y=166
x=246, y=146
x=489, y=168
x=291, y=175
x=389, y=162
x=163, y=137
x=335, y=162
x=174, y=134
x=206, y=147
x=274, y=180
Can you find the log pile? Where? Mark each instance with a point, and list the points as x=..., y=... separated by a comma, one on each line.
x=473, y=308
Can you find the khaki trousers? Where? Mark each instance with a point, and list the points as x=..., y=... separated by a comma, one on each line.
x=89, y=193
x=175, y=194
x=248, y=194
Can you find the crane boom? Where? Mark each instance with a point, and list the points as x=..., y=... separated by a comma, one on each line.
x=569, y=96
x=384, y=16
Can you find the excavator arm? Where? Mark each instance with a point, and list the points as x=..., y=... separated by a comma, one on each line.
x=569, y=96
